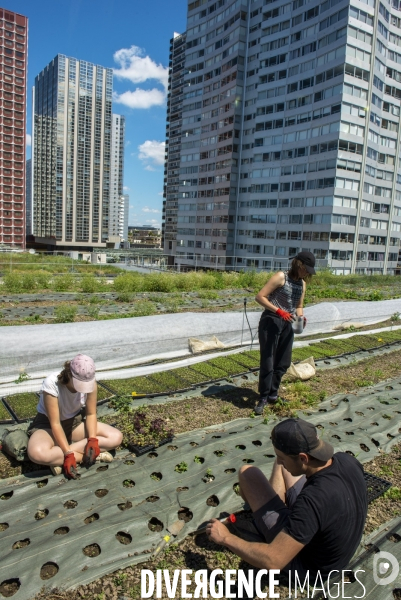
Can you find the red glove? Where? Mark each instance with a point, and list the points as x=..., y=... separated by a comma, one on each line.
x=284, y=315
x=91, y=451
x=70, y=466
x=305, y=321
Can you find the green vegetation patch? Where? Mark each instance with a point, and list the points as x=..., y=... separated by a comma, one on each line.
x=102, y=393
x=24, y=405
x=245, y=361
x=189, y=376
x=167, y=380
x=208, y=371
x=4, y=414
x=226, y=364
x=140, y=385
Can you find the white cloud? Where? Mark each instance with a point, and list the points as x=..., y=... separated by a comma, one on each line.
x=136, y=67
x=140, y=98
x=153, y=222
x=146, y=209
x=126, y=188
x=28, y=139
x=151, y=153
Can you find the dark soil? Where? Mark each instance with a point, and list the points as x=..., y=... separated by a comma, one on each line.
x=91, y=518
x=155, y=525
x=184, y=514
x=92, y=550
x=41, y=514
x=21, y=544
x=9, y=587
x=101, y=493
x=48, y=570
x=124, y=538
x=125, y=506
x=70, y=504
x=61, y=530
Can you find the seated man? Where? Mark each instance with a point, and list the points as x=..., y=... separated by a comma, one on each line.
x=311, y=513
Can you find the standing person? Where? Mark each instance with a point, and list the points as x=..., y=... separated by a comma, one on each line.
x=282, y=298
x=65, y=430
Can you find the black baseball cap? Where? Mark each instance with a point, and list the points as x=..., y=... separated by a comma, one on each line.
x=293, y=436
x=307, y=259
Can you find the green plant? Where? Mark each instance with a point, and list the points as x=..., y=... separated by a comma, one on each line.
x=93, y=311
x=64, y=283
x=395, y=316
x=209, y=473
x=65, y=313
x=33, y=319
x=125, y=296
x=181, y=467
x=394, y=493
x=199, y=460
x=89, y=284
x=139, y=430
x=23, y=376
x=122, y=403
x=120, y=578
x=375, y=295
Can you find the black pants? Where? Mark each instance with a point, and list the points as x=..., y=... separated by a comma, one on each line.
x=276, y=337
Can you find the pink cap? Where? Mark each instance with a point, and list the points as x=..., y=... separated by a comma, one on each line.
x=83, y=373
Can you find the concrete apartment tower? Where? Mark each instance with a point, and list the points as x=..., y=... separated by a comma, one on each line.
x=289, y=135
x=71, y=154
x=13, y=73
x=117, y=177
x=123, y=211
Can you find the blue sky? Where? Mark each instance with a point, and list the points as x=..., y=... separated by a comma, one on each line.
x=132, y=37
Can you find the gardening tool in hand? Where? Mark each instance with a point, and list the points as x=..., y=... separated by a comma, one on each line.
x=136, y=394
x=225, y=520
x=70, y=466
x=173, y=530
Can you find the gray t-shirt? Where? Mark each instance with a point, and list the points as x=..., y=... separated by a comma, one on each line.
x=69, y=403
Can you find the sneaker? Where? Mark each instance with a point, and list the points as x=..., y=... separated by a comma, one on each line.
x=105, y=457
x=272, y=399
x=56, y=470
x=259, y=408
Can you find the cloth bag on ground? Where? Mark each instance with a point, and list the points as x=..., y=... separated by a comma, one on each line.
x=303, y=370
x=196, y=345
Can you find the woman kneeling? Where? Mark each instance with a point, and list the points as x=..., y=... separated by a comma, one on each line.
x=65, y=430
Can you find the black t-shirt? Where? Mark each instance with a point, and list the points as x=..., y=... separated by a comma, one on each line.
x=329, y=515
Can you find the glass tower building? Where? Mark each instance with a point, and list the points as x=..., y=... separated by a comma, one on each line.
x=71, y=153
x=290, y=136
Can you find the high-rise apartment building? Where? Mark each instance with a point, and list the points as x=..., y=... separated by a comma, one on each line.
x=173, y=143
x=71, y=153
x=290, y=134
x=123, y=211
x=13, y=72
x=116, y=174
x=28, y=198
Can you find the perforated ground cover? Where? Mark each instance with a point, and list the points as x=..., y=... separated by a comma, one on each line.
x=114, y=516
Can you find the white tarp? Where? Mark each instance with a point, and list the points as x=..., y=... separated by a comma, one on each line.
x=40, y=349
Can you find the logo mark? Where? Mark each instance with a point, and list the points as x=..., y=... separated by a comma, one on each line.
x=385, y=564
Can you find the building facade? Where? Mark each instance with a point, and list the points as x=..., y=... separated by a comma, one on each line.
x=116, y=174
x=13, y=73
x=28, y=198
x=173, y=143
x=123, y=211
x=71, y=153
x=290, y=136
x=144, y=237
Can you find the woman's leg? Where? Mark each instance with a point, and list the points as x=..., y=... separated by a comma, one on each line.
x=109, y=437
x=43, y=451
x=268, y=333
x=282, y=358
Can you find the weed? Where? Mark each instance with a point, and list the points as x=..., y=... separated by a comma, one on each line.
x=65, y=313
x=394, y=493
x=33, y=319
x=226, y=410
x=181, y=467
x=375, y=295
x=64, y=283
x=395, y=316
x=89, y=284
x=265, y=421
x=93, y=311
x=122, y=403
x=23, y=376
x=125, y=296
x=120, y=579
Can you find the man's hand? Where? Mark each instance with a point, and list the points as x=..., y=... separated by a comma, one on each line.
x=217, y=532
x=284, y=315
x=91, y=451
x=70, y=466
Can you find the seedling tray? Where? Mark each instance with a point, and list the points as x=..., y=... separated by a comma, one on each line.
x=140, y=450
x=22, y=406
x=376, y=486
x=5, y=415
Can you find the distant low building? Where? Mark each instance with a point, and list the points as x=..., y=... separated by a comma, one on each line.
x=144, y=237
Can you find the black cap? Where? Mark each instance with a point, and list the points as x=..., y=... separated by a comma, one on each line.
x=293, y=436
x=307, y=259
